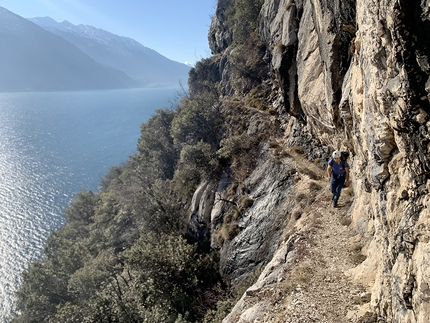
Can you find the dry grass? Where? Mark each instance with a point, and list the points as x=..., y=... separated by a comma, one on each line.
x=229, y=228
x=314, y=187
x=299, y=277
x=296, y=215
x=228, y=231
x=357, y=257
x=346, y=221
x=245, y=203
x=304, y=166
x=369, y=317
x=278, y=152
x=280, y=47
x=298, y=150
x=274, y=144
x=257, y=98
x=349, y=191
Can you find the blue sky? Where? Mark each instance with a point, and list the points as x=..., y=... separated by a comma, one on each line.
x=176, y=29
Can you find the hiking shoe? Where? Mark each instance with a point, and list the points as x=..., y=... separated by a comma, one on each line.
x=334, y=203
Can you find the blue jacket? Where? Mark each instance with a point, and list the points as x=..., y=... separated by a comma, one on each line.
x=338, y=168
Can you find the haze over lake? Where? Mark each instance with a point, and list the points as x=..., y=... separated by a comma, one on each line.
x=51, y=146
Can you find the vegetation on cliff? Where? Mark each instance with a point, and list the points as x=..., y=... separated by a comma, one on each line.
x=124, y=254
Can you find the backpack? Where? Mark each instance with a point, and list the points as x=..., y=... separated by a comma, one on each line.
x=343, y=158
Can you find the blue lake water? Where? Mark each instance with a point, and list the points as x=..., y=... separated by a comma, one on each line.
x=51, y=146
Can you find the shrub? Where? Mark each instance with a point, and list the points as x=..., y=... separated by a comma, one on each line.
x=81, y=210
x=186, y=180
x=157, y=153
x=257, y=97
x=241, y=151
x=245, y=18
x=112, y=174
x=345, y=220
x=197, y=162
x=248, y=67
x=300, y=275
x=298, y=150
x=229, y=228
x=245, y=203
x=368, y=317
x=226, y=302
x=297, y=215
x=197, y=120
x=310, y=173
x=201, y=156
x=280, y=47
x=205, y=76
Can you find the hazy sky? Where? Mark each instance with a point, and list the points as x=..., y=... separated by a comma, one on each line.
x=176, y=29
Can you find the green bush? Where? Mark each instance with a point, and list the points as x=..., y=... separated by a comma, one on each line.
x=201, y=156
x=155, y=145
x=248, y=67
x=205, y=76
x=121, y=256
x=186, y=180
x=82, y=208
x=197, y=120
x=246, y=18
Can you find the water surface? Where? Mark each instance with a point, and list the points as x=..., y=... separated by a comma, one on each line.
x=51, y=146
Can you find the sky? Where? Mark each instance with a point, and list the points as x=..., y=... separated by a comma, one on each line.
x=176, y=29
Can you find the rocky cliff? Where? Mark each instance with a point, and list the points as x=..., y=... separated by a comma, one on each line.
x=323, y=75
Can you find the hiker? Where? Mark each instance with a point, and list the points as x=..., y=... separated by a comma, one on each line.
x=338, y=175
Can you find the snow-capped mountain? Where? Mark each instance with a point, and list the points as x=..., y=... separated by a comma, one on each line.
x=33, y=59
x=143, y=64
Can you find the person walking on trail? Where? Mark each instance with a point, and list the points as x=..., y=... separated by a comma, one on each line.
x=338, y=175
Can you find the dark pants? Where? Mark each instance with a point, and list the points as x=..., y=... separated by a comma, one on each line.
x=336, y=184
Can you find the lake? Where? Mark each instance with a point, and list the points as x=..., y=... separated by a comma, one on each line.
x=53, y=145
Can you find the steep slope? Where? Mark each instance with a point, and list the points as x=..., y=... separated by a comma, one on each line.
x=143, y=64
x=289, y=82
x=307, y=279
x=33, y=59
x=325, y=75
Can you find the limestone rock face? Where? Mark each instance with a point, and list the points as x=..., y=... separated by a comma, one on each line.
x=355, y=75
x=220, y=35
x=270, y=187
x=262, y=218
x=389, y=105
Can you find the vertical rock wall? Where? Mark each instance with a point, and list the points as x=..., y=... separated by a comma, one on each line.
x=362, y=82
x=389, y=107
x=357, y=72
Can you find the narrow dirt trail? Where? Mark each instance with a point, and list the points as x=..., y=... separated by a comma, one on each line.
x=326, y=294
x=307, y=279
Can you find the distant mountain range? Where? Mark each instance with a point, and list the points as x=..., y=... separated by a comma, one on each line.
x=39, y=54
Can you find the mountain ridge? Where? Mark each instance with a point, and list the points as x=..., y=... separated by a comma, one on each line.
x=34, y=60
x=64, y=57
x=235, y=180
x=145, y=65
